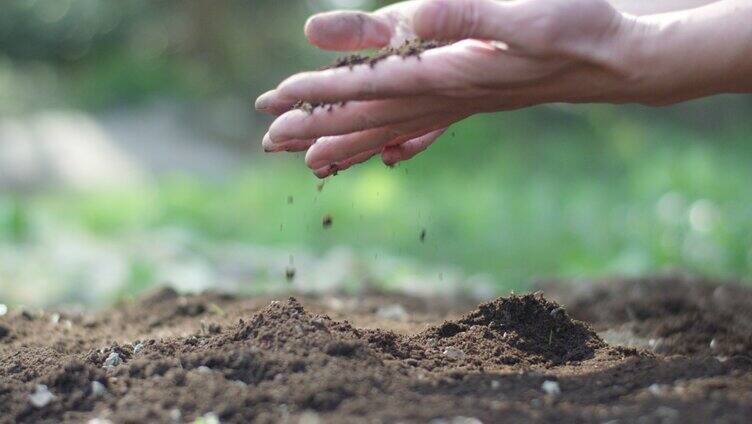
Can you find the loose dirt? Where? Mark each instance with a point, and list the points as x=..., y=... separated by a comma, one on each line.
x=411, y=48
x=382, y=359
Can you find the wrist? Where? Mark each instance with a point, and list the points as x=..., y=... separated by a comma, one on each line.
x=685, y=55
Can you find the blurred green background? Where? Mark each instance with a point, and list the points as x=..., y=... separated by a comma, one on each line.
x=130, y=156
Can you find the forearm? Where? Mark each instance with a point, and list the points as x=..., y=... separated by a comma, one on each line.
x=651, y=7
x=695, y=53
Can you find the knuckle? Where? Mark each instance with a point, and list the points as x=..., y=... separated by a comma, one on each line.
x=543, y=31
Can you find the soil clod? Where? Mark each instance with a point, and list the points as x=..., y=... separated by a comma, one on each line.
x=410, y=48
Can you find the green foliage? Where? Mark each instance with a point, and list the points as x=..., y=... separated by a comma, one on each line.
x=591, y=192
x=14, y=220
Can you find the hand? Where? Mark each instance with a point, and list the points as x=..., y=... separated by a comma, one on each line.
x=507, y=55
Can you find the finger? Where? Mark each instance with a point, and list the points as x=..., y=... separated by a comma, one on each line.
x=401, y=152
x=330, y=150
x=271, y=102
x=287, y=146
x=461, y=67
x=348, y=30
x=356, y=116
x=535, y=27
x=326, y=171
x=480, y=19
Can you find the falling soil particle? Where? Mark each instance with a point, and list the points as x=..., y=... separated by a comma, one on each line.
x=422, y=235
x=326, y=221
x=514, y=359
x=289, y=274
x=411, y=48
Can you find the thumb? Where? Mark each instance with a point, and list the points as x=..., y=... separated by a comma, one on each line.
x=460, y=19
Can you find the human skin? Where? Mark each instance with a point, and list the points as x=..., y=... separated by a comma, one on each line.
x=504, y=56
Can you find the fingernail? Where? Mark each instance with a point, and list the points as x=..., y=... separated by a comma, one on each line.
x=323, y=172
x=270, y=146
x=264, y=100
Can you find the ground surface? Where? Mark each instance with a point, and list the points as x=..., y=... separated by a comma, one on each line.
x=666, y=350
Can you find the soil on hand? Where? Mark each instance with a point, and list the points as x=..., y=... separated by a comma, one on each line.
x=411, y=48
x=379, y=358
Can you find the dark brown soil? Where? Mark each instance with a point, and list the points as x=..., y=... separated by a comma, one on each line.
x=680, y=315
x=409, y=49
x=386, y=359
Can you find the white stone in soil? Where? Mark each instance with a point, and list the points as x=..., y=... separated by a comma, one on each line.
x=310, y=417
x=551, y=388
x=657, y=389
x=209, y=418
x=454, y=353
x=113, y=360
x=41, y=397
x=176, y=416
x=98, y=389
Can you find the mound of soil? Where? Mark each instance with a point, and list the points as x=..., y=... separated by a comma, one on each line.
x=411, y=48
x=173, y=358
x=523, y=330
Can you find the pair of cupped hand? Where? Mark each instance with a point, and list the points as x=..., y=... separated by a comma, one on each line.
x=501, y=56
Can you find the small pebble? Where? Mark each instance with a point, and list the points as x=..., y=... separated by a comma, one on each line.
x=55, y=318
x=41, y=397
x=137, y=347
x=713, y=344
x=175, y=415
x=113, y=360
x=209, y=418
x=99, y=421
x=454, y=353
x=551, y=388
x=203, y=369
x=657, y=389
x=3, y=309
x=98, y=389
x=310, y=418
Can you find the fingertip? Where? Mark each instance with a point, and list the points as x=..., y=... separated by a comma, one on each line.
x=310, y=29
x=346, y=30
x=322, y=172
x=263, y=101
x=273, y=102
x=390, y=155
x=266, y=143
